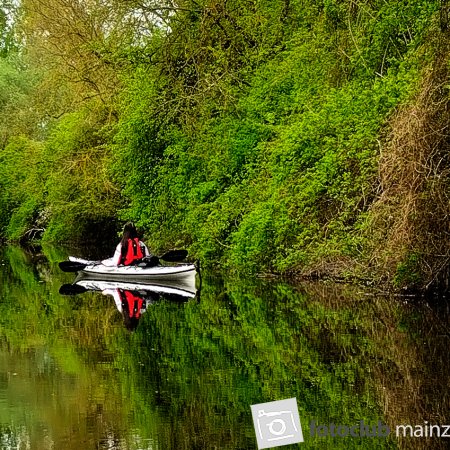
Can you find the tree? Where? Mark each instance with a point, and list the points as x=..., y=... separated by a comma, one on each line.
x=8, y=11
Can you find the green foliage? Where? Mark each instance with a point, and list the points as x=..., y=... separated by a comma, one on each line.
x=248, y=131
x=21, y=183
x=8, y=11
x=408, y=274
x=18, y=114
x=61, y=185
x=288, y=170
x=78, y=188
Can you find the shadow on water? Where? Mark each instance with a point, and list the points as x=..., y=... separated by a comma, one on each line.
x=72, y=376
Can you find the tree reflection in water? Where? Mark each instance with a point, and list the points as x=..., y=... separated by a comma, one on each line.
x=71, y=376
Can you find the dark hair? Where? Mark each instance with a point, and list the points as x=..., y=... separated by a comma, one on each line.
x=129, y=232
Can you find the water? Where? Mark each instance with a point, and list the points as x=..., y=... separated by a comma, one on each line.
x=73, y=376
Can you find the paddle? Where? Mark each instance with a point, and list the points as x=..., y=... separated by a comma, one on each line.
x=170, y=256
x=174, y=255
x=71, y=266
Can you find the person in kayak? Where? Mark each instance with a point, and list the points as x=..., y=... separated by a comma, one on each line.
x=130, y=249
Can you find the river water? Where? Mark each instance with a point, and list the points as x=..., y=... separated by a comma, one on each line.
x=73, y=375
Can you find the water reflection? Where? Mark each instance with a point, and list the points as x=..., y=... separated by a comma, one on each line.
x=72, y=377
x=132, y=298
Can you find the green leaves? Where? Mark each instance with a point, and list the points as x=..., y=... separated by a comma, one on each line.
x=8, y=42
x=249, y=131
x=278, y=172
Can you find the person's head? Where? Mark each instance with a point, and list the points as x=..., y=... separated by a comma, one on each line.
x=129, y=232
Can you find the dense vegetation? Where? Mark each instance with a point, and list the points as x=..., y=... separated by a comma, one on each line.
x=287, y=136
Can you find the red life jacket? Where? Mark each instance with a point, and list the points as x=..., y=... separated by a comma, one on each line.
x=134, y=303
x=134, y=252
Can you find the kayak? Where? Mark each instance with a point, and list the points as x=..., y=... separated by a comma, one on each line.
x=180, y=272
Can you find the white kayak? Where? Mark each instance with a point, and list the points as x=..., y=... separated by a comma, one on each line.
x=184, y=273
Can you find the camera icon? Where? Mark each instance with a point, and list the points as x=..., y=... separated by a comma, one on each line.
x=277, y=423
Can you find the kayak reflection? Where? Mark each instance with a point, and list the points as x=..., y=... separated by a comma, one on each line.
x=131, y=298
